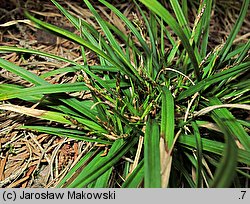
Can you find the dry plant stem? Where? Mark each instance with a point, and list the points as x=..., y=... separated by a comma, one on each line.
x=193, y=174
x=87, y=148
x=56, y=172
x=3, y=162
x=210, y=108
x=211, y=126
x=43, y=154
x=43, y=151
x=56, y=180
x=55, y=145
x=189, y=107
x=243, y=37
x=28, y=173
x=72, y=164
x=173, y=70
x=13, y=139
x=15, y=184
x=203, y=175
x=20, y=171
x=205, y=179
x=175, y=139
x=138, y=153
x=55, y=152
x=204, y=162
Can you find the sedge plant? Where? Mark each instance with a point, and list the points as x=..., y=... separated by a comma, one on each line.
x=162, y=101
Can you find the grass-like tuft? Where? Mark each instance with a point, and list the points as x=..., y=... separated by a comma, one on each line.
x=160, y=114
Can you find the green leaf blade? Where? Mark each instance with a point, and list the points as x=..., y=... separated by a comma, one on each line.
x=152, y=168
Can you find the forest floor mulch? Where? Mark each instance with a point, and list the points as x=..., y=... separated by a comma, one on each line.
x=33, y=159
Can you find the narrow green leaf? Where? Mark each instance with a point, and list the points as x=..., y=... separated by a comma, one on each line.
x=54, y=116
x=184, y=173
x=28, y=76
x=128, y=24
x=227, y=167
x=167, y=117
x=6, y=88
x=198, y=155
x=152, y=166
x=152, y=39
x=74, y=169
x=136, y=177
x=62, y=132
x=243, y=53
x=232, y=126
x=100, y=165
x=156, y=7
x=103, y=180
x=95, y=68
x=44, y=89
x=181, y=18
x=235, y=30
x=205, y=27
x=213, y=147
x=73, y=37
x=32, y=78
x=105, y=28
x=184, y=5
x=214, y=79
